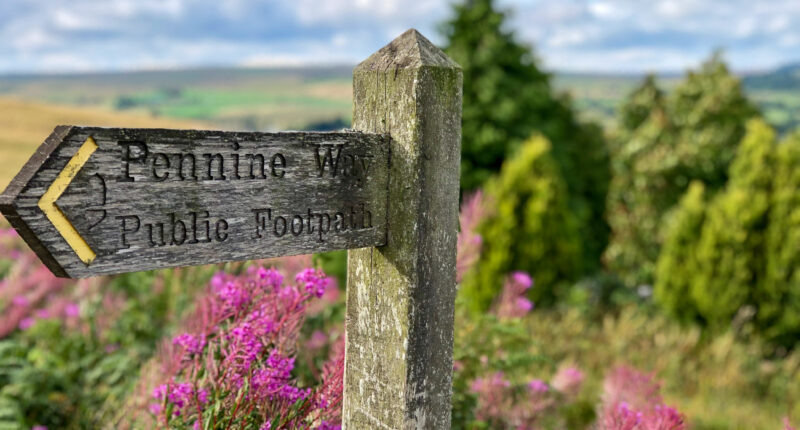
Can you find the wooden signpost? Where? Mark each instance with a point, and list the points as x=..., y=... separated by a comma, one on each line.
x=95, y=201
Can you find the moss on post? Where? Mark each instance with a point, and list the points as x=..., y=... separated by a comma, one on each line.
x=400, y=297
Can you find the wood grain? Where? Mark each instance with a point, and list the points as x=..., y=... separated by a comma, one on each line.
x=154, y=198
x=400, y=297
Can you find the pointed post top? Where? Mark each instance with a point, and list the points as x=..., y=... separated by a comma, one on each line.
x=410, y=50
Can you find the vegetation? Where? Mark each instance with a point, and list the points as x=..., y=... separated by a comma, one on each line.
x=691, y=134
x=506, y=101
x=727, y=260
x=530, y=227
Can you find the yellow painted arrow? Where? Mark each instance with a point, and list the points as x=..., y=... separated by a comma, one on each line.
x=48, y=202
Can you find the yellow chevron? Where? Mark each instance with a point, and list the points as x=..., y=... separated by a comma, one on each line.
x=48, y=202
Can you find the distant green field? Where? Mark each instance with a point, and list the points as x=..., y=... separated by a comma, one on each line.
x=247, y=99
x=320, y=98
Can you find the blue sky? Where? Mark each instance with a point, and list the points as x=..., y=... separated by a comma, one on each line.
x=55, y=36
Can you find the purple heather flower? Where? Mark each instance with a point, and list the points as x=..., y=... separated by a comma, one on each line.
x=202, y=396
x=328, y=426
x=266, y=426
x=180, y=395
x=538, y=386
x=26, y=323
x=160, y=391
x=568, y=380
x=629, y=414
x=314, y=281
x=233, y=295
x=272, y=276
x=218, y=280
x=39, y=427
x=42, y=314
x=72, y=310
x=523, y=279
x=192, y=344
x=246, y=343
x=524, y=304
x=20, y=301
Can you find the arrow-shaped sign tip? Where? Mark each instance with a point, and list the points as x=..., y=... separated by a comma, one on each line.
x=48, y=202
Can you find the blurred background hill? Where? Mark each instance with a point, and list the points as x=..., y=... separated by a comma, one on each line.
x=313, y=98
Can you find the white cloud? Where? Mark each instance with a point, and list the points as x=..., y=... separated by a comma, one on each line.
x=613, y=35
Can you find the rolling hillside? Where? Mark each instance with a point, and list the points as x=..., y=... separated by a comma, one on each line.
x=25, y=125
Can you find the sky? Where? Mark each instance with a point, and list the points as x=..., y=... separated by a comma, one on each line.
x=614, y=36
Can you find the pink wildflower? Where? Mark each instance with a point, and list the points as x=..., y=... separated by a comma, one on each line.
x=629, y=385
x=512, y=302
x=20, y=301
x=272, y=277
x=494, y=396
x=621, y=417
x=314, y=281
x=568, y=380
x=631, y=393
x=26, y=323
x=72, y=310
x=522, y=279
x=251, y=323
x=469, y=241
x=524, y=305
x=235, y=296
x=192, y=344
x=662, y=417
x=787, y=425
x=538, y=386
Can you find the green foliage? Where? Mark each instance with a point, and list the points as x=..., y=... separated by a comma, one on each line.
x=676, y=264
x=485, y=345
x=733, y=259
x=66, y=376
x=530, y=228
x=507, y=98
x=639, y=105
x=692, y=134
x=721, y=382
x=779, y=293
x=718, y=382
x=730, y=251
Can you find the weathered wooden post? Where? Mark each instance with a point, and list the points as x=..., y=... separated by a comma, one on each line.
x=400, y=297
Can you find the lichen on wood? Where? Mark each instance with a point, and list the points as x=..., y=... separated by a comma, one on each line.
x=400, y=297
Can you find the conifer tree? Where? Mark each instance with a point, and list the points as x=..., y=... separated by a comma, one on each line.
x=778, y=295
x=691, y=135
x=730, y=251
x=677, y=263
x=714, y=258
x=507, y=98
x=530, y=228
